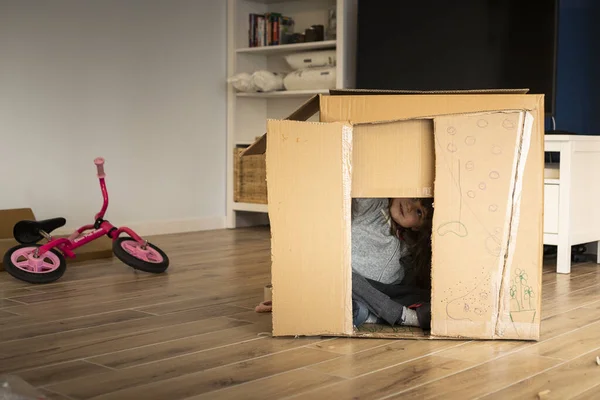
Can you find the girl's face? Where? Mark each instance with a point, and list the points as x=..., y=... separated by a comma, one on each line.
x=408, y=213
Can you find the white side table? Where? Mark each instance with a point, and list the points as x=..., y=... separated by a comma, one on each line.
x=572, y=199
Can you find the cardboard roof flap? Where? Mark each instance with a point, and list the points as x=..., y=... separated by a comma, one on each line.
x=302, y=113
x=311, y=106
x=367, y=92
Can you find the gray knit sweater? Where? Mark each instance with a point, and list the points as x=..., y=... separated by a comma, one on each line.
x=376, y=251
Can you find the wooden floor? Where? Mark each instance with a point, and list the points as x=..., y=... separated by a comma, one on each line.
x=105, y=332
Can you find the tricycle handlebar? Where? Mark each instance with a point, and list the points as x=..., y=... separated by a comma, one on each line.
x=100, y=166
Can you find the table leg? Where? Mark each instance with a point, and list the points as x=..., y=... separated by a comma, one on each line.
x=563, y=257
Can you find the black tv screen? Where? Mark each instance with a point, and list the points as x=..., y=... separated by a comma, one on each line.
x=460, y=44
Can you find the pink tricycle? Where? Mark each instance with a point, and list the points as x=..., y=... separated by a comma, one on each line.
x=36, y=263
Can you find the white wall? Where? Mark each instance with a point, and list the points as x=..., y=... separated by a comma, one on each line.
x=139, y=82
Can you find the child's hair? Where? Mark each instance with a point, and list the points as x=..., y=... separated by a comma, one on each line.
x=420, y=245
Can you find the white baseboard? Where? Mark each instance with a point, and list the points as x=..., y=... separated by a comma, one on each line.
x=166, y=227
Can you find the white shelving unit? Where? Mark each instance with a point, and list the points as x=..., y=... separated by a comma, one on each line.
x=571, y=212
x=289, y=48
x=247, y=113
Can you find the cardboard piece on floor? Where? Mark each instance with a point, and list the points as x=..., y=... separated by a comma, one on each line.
x=486, y=171
x=98, y=249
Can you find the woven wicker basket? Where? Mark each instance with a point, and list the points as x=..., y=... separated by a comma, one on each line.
x=250, y=178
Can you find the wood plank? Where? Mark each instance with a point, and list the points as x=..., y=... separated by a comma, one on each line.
x=347, y=346
x=11, y=283
x=61, y=372
x=55, y=327
x=222, y=377
x=566, y=287
x=482, y=351
x=7, y=293
x=482, y=379
x=190, y=284
x=178, y=366
x=591, y=394
x=6, y=303
x=193, y=303
x=550, y=277
x=579, y=298
x=64, y=309
x=565, y=381
x=174, y=348
x=363, y=362
x=251, y=302
x=100, y=333
x=6, y=314
x=570, y=345
x=109, y=278
x=253, y=316
x=274, y=387
x=9, y=320
x=124, y=289
x=390, y=380
x=53, y=396
x=559, y=324
x=77, y=351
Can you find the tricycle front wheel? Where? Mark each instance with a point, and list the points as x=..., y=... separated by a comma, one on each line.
x=21, y=262
x=148, y=259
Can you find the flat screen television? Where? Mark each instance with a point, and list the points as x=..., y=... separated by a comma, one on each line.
x=458, y=44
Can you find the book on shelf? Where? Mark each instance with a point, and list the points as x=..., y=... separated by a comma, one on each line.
x=268, y=29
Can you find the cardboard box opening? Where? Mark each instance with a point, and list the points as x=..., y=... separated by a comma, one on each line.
x=391, y=160
x=479, y=155
x=400, y=274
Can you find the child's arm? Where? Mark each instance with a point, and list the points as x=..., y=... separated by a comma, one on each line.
x=361, y=206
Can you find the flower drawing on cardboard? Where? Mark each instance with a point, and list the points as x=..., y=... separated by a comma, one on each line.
x=475, y=169
x=522, y=302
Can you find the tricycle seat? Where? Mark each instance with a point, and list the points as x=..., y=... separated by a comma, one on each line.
x=29, y=232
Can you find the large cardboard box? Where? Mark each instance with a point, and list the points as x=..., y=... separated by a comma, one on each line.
x=479, y=154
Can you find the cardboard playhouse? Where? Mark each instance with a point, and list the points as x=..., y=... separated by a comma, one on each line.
x=478, y=153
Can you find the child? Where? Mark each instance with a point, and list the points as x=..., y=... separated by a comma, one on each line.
x=391, y=244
